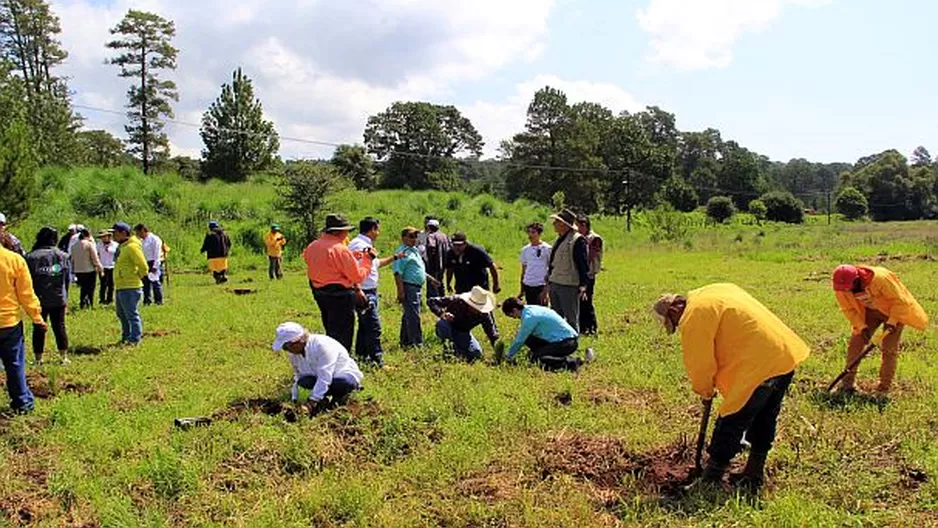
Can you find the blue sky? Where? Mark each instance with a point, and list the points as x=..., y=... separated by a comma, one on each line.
x=828, y=80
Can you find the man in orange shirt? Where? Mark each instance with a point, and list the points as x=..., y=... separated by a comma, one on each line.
x=334, y=273
x=870, y=297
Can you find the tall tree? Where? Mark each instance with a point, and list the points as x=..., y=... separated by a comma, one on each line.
x=921, y=157
x=29, y=41
x=145, y=51
x=353, y=162
x=238, y=140
x=418, y=143
x=18, y=161
x=101, y=149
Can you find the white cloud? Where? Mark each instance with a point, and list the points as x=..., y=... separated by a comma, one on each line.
x=700, y=34
x=319, y=66
x=500, y=121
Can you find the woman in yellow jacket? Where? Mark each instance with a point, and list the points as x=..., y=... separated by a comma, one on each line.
x=871, y=297
x=733, y=345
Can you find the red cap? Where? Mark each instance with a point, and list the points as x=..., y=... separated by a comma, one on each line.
x=844, y=277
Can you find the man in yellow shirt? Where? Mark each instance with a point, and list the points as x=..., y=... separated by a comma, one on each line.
x=275, y=242
x=16, y=292
x=871, y=297
x=734, y=345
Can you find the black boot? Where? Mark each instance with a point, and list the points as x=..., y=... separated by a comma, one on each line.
x=753, y=476
x=713, y=472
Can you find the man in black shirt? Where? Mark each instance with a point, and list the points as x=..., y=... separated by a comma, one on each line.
x=470, y=264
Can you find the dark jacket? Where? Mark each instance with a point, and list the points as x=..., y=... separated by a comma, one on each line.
x=48, y=267
x=464, y=318
x=216, y=244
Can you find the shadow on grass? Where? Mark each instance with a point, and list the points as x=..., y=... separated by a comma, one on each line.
x=845, y=401
x=87, y=350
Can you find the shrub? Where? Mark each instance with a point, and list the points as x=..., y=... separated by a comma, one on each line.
x=454, y=203
x=667, y=225
x=852, y=204
x=783, y=207
x=304, y=191
x=487, y=208
x=558, y=200
x=680, y=195
x=758, y=210
x=99, y=203
x=720, y=209
x=253, y=240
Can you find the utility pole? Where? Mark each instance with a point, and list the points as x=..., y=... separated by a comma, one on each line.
x=828, y=207
x=628, y=202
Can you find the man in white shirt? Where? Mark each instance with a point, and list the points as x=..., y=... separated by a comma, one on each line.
x=535, y=266
x=107, y=251
x=321, y=364
x=368, y=340
x=152, y=251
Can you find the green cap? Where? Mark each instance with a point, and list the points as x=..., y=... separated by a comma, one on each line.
x=275, y=227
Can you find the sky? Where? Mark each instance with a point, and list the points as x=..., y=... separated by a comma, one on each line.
x=825, y=80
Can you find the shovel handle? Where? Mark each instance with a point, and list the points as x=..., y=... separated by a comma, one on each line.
x=853, y=364
x=702, y=434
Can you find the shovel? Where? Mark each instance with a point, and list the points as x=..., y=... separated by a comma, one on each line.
x=702, y=437
x=853, y=364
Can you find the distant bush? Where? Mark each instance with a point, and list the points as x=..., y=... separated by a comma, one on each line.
x=99, y=203
x=758, y=210
x=252, y=240
x=487, y=208
x=852, y=204
x=667, y=225
x=783, y=207
x=558, y=200
x=680, y=195
x=720, y=209
x=454, y=203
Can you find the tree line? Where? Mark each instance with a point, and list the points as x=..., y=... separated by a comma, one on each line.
x=581, y=154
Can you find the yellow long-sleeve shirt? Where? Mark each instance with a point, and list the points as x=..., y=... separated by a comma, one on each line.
x=887, y=295
x=275, y=243
x=732, y=343
x=16, y=290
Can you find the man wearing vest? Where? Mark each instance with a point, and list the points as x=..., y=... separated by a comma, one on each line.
x=594, y=246
x=334, y=274
x=568, y=276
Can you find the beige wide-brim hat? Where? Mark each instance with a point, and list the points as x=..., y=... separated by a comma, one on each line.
x=480, y=299
x=660, y=309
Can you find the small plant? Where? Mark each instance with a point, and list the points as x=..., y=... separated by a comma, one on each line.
x=758, y=210
x=558, y=200
x=720, y=209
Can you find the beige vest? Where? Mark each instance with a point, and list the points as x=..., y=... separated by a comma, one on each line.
x=564, y=272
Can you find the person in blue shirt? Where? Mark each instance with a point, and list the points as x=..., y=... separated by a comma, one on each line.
x=550, y=339
x=410, y=274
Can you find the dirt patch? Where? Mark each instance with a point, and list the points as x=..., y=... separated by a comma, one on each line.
x=31, y=502
x=883, y=258
x=45, y=388
x=493, y=484
x=160, y=333
x=242, y=291
x=609, y=468
x=564, y=398
x=636, y=398
x=913, y=478
x=251, y=406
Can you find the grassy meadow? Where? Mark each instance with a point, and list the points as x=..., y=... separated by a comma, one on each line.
x=432, y=442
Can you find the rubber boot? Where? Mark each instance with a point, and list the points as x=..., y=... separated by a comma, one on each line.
x=753, y=476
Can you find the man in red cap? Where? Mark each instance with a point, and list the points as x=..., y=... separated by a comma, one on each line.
x=871, y=297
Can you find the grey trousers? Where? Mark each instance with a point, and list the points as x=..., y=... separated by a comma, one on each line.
x=565, y=300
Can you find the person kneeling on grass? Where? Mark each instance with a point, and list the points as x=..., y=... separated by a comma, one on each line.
x=870, y=297
x=551, y=340
x=320, y=363
x=734, y=345
x=459, y=314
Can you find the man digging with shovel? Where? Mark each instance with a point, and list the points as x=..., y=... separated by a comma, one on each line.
x=734, y=345
x=871, y=297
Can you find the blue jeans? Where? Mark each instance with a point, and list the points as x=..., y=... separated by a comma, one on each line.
x=13, y=356
x=128, y=311
x=153, y=290
x=411, y=332
x=465, y=344
x=368, y=340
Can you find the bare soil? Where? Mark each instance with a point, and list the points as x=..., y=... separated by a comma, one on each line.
x=42, y=387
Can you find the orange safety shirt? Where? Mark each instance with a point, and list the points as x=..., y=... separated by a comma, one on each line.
x=732, y=343
x=330, y=261
x=886, y=294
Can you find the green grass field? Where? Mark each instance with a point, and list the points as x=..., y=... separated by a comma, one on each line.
x=437, y=443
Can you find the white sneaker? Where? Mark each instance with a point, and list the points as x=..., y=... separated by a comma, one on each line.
x=66, y=361
x=589, y=356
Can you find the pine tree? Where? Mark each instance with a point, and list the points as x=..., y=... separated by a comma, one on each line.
x=145, y=50
x=238, y=141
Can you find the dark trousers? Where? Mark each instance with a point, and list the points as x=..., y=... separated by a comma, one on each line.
x=106, y=295
x=13, y=356
x=532, y=295
x=152, y=290
x=588, y=324
x=433, y=291
x=274, y=267
x=368, y=339
x=221, y=277
x=86, y=284
x=411, y=331
x=554, y=356
x=337, y=307
x=339, y=389
x=757, y=420
x=55, y=316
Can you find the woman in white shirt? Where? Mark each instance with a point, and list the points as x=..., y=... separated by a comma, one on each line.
x=535, y=266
